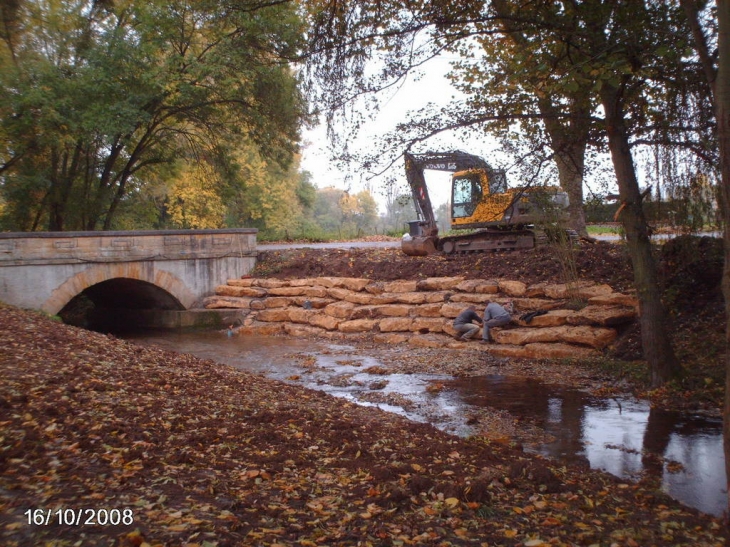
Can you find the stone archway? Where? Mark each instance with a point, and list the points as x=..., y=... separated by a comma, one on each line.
x=99, y=273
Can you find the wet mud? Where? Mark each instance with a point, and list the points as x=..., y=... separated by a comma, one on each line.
x=680, y=453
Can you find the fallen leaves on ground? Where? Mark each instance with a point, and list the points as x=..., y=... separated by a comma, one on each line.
x=203, y=454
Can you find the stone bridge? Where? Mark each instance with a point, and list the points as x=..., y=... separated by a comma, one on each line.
x=170, y=271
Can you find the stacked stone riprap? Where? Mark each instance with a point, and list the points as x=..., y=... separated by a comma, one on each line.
x=580, y=320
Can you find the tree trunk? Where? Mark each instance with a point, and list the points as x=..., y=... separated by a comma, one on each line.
x=569, y=140
x=721, y=90
x=719, y=80
x=655, y=340
x=570, y=162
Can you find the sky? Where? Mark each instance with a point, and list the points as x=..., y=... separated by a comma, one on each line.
x=433, y=87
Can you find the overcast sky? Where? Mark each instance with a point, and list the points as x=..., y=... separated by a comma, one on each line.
x=433, y=87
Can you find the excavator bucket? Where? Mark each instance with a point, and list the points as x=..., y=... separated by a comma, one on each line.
x=418, y=246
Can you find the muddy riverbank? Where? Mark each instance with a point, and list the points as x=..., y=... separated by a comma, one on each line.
x=178, y=450
x=559, y=412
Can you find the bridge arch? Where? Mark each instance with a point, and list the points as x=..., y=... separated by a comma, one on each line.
x=180, y=296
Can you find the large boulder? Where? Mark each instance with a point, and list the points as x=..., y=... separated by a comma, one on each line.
x=439, y=283
x=452, y=310
x=430, y=324
x=361, y=298
x=314, y=303
x=395, y=324
x=400, y=286
x=277, y=302
x=577, y=289
x=230, y=290
x=427, y=310
x=270, y=283
x=553, y=318
x=472, y=298
x=340, y=309
x=582, y=335
x=274, y=315
x=324, y=321
x=288, y=291
x=394, y=310
x=411, y=298
x=512, y=288
x=302, y=331
x=261, y=329
x=607, y=316
x=222, y=302
x=300, y=315
x=243, y=282
x=614, y=299
x=357, y=325
x=351, y=283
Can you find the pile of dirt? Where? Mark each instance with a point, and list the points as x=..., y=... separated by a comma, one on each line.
x=601, y=262
x=688, y=266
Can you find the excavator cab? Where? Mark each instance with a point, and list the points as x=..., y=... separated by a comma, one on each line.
x=478, y=198
x=467, y=192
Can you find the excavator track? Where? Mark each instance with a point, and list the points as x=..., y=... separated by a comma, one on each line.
x=544, y=238
x=487, y=240
x=499, y=240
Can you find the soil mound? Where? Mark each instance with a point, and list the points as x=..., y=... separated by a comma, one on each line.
x=601, y=262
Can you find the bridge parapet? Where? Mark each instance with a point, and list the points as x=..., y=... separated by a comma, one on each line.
x=18, y=249
x=45, y=270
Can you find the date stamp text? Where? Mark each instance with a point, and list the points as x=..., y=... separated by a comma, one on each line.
x=79, y=517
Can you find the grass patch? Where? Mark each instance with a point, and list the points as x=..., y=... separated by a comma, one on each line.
x=601, y=229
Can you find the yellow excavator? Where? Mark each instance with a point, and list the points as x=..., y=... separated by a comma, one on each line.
x=497, y=217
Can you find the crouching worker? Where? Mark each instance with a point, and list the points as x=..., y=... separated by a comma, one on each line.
x=495, y=316
x=464, y=324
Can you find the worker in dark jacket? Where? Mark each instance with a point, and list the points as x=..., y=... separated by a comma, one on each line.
x=464, y=324
x=495, y=316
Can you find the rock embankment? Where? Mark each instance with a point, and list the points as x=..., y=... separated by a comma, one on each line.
x=579, y=319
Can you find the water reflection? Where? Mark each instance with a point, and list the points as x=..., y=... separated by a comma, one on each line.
x=621, y=436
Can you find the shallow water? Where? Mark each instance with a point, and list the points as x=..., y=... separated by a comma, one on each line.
x=621, y=436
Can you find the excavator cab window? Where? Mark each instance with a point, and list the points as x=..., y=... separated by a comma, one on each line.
x=498, y=182
x=467, y=193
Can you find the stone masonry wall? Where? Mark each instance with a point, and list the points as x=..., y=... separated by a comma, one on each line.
x=421, y=312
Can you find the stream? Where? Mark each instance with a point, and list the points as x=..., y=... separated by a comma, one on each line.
x=622, y=436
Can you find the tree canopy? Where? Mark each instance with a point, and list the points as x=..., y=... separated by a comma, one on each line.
x=102, y=97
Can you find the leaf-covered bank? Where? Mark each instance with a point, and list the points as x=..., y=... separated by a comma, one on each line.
x=203, y=454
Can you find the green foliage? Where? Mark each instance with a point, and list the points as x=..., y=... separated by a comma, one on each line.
x=399, y=210
x=98, y=97
x=597, y=229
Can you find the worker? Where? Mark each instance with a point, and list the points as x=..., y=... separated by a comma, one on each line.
x=495, y=316
x=464, y=324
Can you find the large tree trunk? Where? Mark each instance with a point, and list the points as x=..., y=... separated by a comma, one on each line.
x=721, y=91
x=719, y=80
x=570, y=161
x=569, y=140
x=655, y=339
